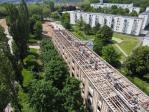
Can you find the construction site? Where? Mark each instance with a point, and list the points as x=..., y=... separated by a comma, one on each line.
x=103, y=88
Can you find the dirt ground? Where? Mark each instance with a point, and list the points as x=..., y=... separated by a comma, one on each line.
x=47, y=30
x=3, y=23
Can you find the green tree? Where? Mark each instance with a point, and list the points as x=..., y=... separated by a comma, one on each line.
x=86, y=7
x=111, y=56
x=33, y=19
x=141, y=3
x=48, y=52
x=51, y=4
x=105, y=34
x=87, y=29
x=80, y=25
x=65, y=19
x=46, y=11
x=38, y=29
x=56, y=71
x=35, y=9
x=55, y=15
x=4, y=91
x=137, y=63
x=18, y=22
x=54, y=67
x=44, y=97
x=133, y=13
x=96, y=29
x=72, y=95
x=12, y=58
x=98, y=45
x=7, y=72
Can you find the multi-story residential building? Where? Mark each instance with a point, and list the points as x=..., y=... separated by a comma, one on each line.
x=103, y=88
x=145, y=16
x=147, y=9
x=122, y=24
x=130, y=7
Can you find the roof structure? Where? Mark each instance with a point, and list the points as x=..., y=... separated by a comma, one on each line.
x=117, y=91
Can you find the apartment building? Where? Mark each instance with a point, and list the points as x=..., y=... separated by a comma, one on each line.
x=145, y=17
x=122, y=24
x=147, y=9
x=130, y=7
x=103, y=88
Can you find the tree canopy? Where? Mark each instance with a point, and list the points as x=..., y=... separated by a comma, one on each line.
x=108, y=10
x=138, y=63
x=18, y=22
x=141, y=3
x=71, y=92
x=98, y=45
x=65, y=19
x=111, y=56
x=43, y=96
x=7, y=72
x=105, y=34
x=56, y=91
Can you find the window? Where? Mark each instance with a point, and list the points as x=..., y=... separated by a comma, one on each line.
x=98, y=108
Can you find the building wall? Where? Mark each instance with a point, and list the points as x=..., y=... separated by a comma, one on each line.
x=145, y=17
x=147, y=9
x=122, y=24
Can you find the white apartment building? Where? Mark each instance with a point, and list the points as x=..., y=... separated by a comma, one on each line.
x=145, y=16
x=147, y=9
x=130, y=7
x=122, y=24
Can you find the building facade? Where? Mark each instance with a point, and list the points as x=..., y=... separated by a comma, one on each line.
x=122, y=24
x=130, y=7
x=145, y=17
x=103, y=88
x=147, y=9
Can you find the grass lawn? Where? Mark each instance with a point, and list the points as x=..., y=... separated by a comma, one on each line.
x=28, y=76
x=128, y=43
x=142, y=84
x=82, y=36
x=33, y=50
x=123, y=57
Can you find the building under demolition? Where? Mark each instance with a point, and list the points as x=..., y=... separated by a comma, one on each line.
x=103, y=88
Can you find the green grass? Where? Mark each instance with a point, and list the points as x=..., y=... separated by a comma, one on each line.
x=27, y=77
x=123, y=57
x=128, y=42
x=117, y=40
x=32, y=50
x=142, y=84
x=82, y=36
